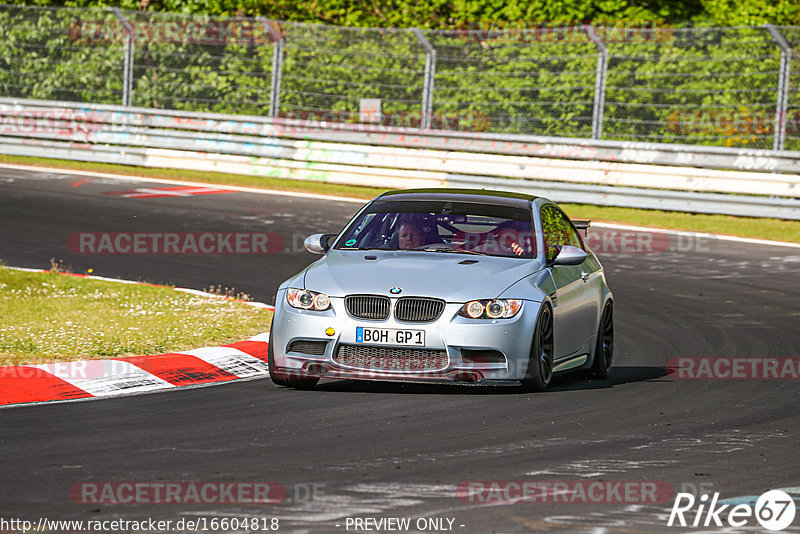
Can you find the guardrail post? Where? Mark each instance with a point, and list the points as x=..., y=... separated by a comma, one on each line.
x=601, y=73
x=783, y=86
x=127, y=68
x=275, y=36
x=427, y=83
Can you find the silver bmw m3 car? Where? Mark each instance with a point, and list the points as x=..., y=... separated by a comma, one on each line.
x=448, y=286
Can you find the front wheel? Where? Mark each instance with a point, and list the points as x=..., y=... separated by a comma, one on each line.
x=282, y=379
x=604, y=349
x=540, y=363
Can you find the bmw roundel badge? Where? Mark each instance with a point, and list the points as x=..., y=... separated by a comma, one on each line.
x=395, y=290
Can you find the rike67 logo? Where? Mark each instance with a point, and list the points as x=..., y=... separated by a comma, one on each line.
x=774, y=510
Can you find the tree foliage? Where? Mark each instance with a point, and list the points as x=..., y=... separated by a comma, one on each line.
x=676, y=83
x=443, y=14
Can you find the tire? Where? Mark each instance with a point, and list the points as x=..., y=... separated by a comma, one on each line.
x=604, y=349
x=282, y=379
x=540, y=362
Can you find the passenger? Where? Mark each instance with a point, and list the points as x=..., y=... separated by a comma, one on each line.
x=509, y=238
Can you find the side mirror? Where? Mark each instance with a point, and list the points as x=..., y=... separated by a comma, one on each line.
x=318, y=243
x=569, y=255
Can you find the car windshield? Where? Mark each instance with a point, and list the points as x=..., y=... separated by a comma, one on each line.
x=442, y=226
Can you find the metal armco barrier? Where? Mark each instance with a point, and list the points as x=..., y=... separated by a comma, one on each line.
x=654, y=176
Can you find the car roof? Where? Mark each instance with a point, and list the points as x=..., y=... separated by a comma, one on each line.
x=482, y=196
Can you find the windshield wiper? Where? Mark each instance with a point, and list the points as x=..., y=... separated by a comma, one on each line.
x=427, y=249
x=456, y=250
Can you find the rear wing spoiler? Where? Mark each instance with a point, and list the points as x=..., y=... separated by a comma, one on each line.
x=582, y=224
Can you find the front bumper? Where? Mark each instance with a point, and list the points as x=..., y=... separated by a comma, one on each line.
x=464, y=341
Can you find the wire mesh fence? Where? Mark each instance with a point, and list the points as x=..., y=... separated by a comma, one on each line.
x=515, y=81
x=737, y=87
x=711, y=86
x=42, y=56
x=792, y=115
x=200, y=64
x=327, y=70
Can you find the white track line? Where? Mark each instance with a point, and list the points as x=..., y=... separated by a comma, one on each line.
x=181, y=182
x=259, y=191
x=720, y=237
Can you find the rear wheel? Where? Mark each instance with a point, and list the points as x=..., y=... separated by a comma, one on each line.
x=282, y=379
x=540, y=363
x=604, y=350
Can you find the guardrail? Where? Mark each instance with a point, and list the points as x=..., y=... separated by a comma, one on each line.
x=759, y=183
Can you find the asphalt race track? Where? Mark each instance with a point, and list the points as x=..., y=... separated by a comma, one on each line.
x=359, y=449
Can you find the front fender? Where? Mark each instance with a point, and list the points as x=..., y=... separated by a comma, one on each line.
x=536, y=287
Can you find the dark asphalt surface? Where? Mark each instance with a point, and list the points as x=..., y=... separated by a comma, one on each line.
x=377, y=450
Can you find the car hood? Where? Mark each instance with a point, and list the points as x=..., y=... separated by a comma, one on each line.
x=452, y=277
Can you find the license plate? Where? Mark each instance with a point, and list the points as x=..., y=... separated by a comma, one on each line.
x=389, y=336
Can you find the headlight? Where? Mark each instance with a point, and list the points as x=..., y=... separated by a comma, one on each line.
x=307, y=300
x=491, y=309
x=474, y=309
x=495, y=309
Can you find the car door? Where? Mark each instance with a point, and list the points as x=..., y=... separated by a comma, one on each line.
x=573, y=300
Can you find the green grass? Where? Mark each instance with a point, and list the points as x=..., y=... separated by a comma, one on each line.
x=49, y=317
x=760, y=228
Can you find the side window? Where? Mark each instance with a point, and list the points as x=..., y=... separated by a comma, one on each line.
x=558, y=231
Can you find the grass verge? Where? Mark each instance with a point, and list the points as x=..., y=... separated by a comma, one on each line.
x=48, y=317
x=758, y=228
